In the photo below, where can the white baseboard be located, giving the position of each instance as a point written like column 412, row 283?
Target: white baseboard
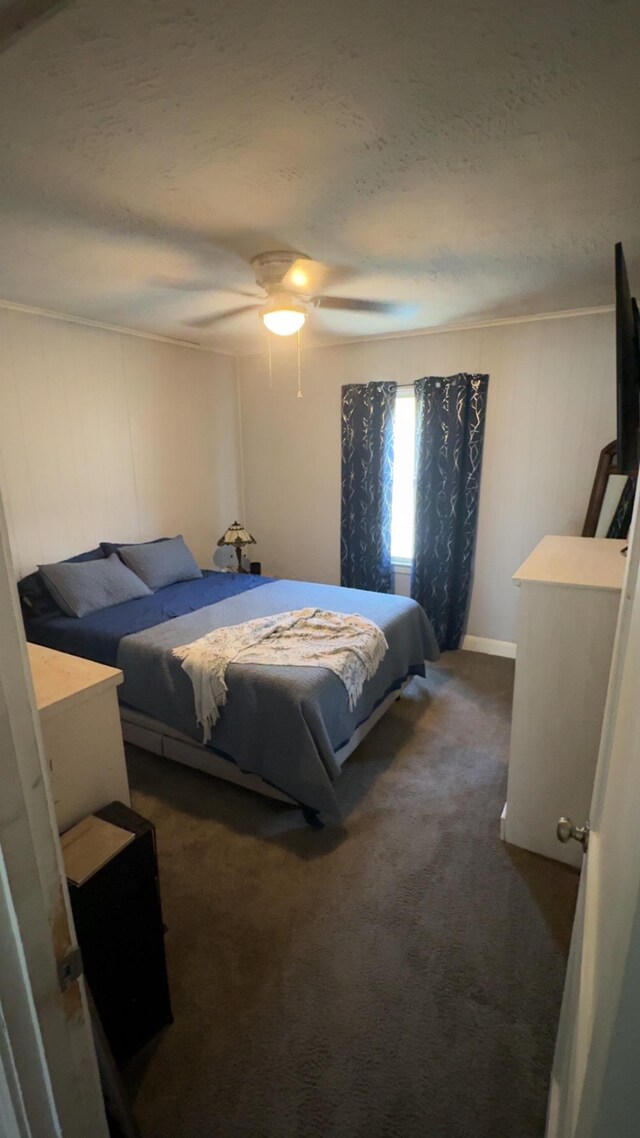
column 490, row 647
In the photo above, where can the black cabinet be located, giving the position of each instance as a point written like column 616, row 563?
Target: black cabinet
column 118, row 919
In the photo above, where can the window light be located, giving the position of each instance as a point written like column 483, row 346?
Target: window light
column 403, row 489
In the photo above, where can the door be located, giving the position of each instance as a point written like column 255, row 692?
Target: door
column 595, row 1090
column 48, row 1074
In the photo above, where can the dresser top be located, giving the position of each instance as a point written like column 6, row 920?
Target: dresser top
column 60, row 680
column 582, row 562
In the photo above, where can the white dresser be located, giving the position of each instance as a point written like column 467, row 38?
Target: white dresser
column 78, row 707
column 570, row 593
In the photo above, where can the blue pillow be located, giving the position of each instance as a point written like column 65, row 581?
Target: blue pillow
column 35, row 598
column 108, row 547
column 85, row 587
column 160, row 563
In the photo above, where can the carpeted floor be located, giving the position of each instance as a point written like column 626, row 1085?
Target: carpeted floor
column 397, row 977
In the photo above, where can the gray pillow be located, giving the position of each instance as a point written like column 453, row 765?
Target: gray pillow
column 160, row 563
column 83, row 587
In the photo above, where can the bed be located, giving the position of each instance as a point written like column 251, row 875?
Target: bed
column 284, row 731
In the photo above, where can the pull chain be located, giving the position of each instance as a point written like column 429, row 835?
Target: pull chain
column 299, row 370
column 270, row 363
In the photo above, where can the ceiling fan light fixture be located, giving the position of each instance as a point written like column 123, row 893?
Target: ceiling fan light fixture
column 284, row 319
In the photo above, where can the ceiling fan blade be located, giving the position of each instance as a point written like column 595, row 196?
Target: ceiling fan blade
column 347, row 304
column 308, row 277
column 20, row 16
column 243, row 292
column 200, row 286
column 209, row 321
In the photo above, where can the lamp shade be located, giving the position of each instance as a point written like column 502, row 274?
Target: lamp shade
column 236, row 535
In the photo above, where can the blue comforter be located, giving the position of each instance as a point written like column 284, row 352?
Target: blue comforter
column 283, row 723
column 97, row 636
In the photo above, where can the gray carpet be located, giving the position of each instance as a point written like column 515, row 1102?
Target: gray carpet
column 397, row 977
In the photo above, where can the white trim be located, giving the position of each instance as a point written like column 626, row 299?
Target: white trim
column 46, row 1048
column 489, row 647
column 439, row 329
column 49, row 314
column 13, row 1121
column 401, row 568
column 467, row 326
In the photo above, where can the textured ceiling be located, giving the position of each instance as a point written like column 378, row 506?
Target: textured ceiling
column 472, row 160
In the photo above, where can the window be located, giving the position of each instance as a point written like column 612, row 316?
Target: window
column 403, row 490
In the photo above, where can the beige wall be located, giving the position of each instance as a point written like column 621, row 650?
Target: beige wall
column 112, row 437
column 109, row 436
column 551, row 409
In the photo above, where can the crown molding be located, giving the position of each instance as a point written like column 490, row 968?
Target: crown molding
column 49, row 314
column 467, row 326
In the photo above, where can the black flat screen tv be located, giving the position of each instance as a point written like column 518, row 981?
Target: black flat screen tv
column 627, row 370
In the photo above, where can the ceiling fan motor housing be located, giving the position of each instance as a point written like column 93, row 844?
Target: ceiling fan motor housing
column 270, row 268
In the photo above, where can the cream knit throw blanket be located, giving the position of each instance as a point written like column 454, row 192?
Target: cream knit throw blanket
column 349, row 645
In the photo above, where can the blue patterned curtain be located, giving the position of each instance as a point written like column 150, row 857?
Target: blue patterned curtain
column 450, row 416
column 367, row 472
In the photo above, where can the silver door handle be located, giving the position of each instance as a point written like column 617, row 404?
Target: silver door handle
column 566, row 830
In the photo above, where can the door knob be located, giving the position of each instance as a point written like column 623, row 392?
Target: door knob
column 566, row 830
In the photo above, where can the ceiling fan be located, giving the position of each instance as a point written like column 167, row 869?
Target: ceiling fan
column 292, row 284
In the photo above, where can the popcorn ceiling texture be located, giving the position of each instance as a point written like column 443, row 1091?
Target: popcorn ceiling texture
column 474, row 160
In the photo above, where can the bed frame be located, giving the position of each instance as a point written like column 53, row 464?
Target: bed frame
column 152, row 735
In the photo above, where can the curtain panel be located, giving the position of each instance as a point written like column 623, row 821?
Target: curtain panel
column 367, row 475
column 450, row 417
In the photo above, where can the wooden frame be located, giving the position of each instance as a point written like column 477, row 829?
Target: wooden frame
column 606, row 467
column 49, row 1081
